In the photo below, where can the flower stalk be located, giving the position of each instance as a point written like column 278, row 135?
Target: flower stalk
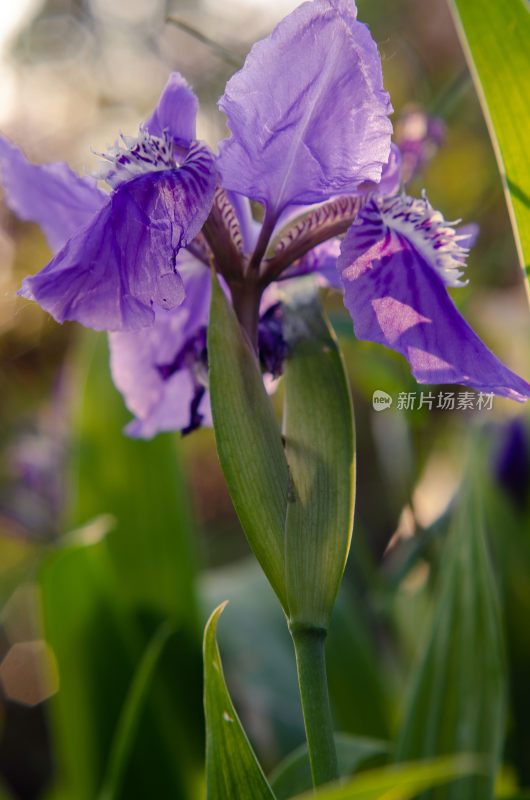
column 309, row 645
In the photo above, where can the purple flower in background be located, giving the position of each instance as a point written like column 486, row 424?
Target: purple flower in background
column 512, row 462
column 310, row 141
column 419, row 137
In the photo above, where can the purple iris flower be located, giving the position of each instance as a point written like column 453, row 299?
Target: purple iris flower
column 115, row 259
column 310, row 141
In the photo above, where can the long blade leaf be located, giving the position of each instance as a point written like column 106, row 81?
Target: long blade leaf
column 232, row 770
column 131, row 713
column 496, row 39
column 457, row 701
column 401, row 782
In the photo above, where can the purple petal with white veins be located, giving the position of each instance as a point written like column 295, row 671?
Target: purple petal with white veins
column 248, row 226
column 308, row 112
column 51, row 195
column 396, row 296
column 176, row 111
column 110, row 273
column 161, row 401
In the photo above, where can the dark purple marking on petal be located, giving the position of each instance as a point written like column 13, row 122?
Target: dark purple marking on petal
column 175, row 112
column 228, row 217
column 308, row 230
column 196, row 417
column 110, row 273
column 398, row 299
column 51, row 195
column 307, row 112
column 224, row 236
column 193, row 352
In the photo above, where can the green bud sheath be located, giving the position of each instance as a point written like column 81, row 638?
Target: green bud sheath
column 320, row 448
column 248, row 440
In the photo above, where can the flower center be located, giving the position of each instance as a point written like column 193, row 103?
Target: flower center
column 430, row 234
column 133, row 157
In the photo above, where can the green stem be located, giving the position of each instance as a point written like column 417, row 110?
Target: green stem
column 310, row 650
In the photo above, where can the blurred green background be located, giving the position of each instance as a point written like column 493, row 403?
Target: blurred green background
column 104, row 541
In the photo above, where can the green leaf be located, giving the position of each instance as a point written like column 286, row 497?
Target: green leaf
column 268, row 680
column 130, row 716
column 248, row 440
column 105, row 594
column 457, row 697
column 294, row 773
column 319, row 442
column 496, row 38
column 399, row 782
column 232, row 770
column 141, row 484
column 358, row 690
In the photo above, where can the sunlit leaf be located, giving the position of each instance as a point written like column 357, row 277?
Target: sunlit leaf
column 232, row 770
column 398, row 782
column 496, row 38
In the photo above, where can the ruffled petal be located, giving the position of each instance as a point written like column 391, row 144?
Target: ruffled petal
column 397, row 297
column 175, row 112
column 110, row 273
column 308, row 113
column 161, row 398
column 50, row 194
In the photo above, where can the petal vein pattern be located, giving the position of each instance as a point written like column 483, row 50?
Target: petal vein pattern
column 397, row 298
column 112, row 271
column 308, row 121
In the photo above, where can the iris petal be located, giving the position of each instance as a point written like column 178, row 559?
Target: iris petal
column 111, row 272
column 163, row 403
column 308, row 113
column 175, row 112
column 51, row 194
column 398, row 299
column 391, row 173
